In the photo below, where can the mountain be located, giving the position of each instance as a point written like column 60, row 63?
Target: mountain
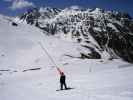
column 99, row 31
column 27, row 73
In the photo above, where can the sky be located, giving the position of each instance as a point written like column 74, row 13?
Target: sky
column 17, row 7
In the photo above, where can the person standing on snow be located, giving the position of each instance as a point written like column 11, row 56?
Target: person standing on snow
column 62, row 79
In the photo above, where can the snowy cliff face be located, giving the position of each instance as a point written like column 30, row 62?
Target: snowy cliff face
column 98, row 31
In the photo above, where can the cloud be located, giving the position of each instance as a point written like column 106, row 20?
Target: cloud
column 20, row 4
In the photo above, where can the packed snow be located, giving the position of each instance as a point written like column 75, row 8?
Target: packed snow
column 91, row 79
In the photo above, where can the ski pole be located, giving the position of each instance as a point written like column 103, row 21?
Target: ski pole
column 48, row 54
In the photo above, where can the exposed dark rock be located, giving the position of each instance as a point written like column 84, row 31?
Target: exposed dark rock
column 14, row 24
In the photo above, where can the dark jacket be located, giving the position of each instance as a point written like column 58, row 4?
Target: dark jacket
column 62, row 78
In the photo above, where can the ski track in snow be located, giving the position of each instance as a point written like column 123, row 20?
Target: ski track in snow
column 91, row 79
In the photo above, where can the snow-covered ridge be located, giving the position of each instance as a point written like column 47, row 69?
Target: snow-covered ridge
column 6, row 19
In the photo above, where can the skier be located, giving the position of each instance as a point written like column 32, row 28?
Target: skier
column 62, row 79
column 62, row 75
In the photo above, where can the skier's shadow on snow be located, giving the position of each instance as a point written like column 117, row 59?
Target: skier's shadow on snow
column 69, row 88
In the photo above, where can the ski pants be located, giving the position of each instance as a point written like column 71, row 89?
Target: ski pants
column 63, row 84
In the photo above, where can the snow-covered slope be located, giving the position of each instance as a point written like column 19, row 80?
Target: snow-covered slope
column 14, row 42
column 20, row 46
